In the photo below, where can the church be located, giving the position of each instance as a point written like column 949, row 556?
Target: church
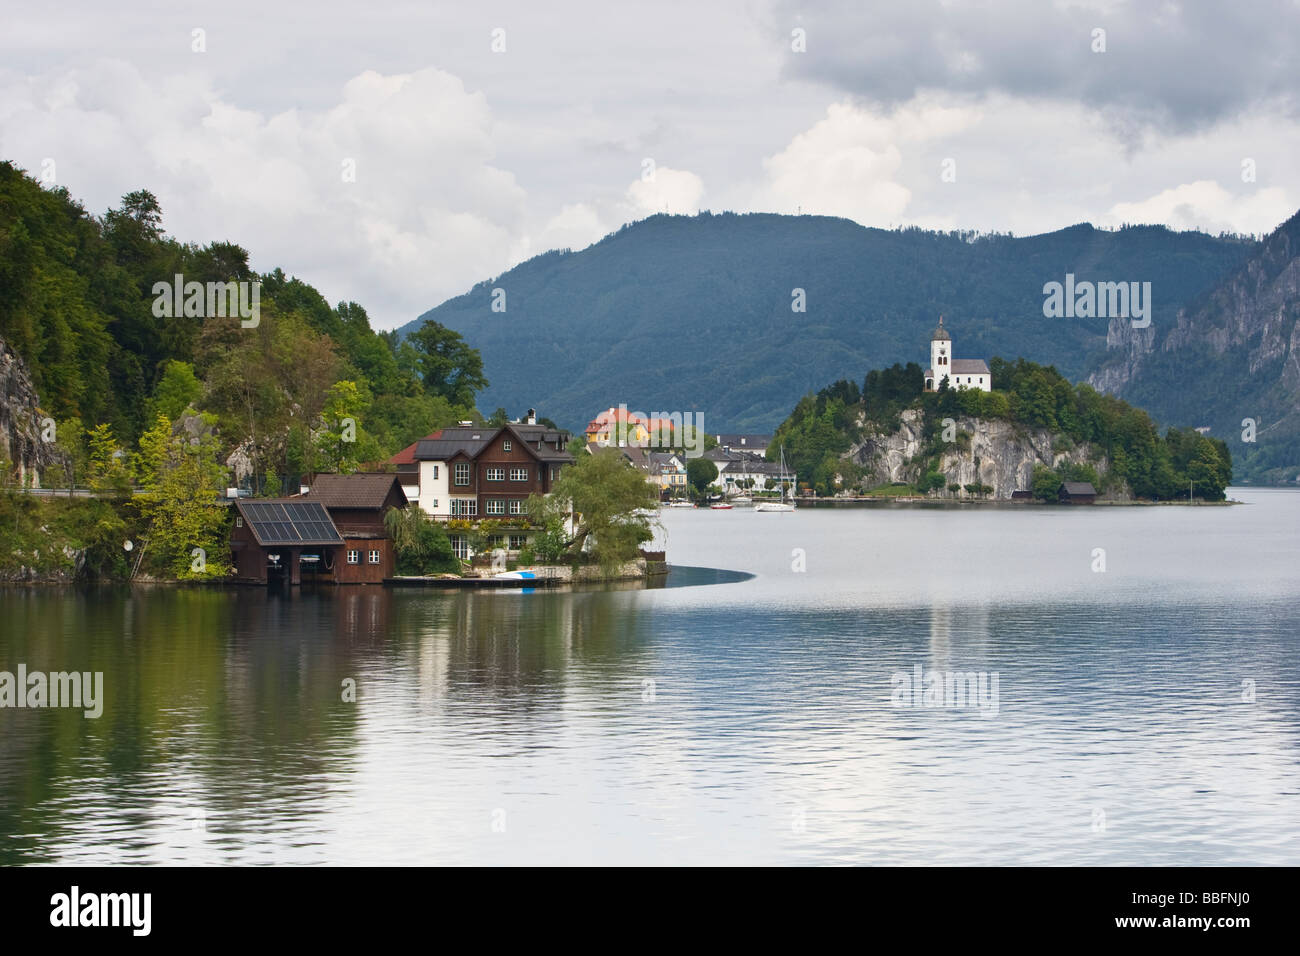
column 960, row 373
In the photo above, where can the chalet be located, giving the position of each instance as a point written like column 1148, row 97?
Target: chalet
column 334, row 533
column 470, row 472
column 1077, row 493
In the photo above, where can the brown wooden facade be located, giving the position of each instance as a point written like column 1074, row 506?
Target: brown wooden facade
column 356, row 505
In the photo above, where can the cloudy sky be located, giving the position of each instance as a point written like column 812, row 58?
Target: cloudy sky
column 397, row 153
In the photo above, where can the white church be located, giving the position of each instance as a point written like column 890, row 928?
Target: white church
column 960, row 373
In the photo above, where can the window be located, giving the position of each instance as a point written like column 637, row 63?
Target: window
column 464, row 507
column 555, row 472
column 516, row 506
column 507, row 445
column 462, row 473
column 517, row 541
column 518, row 474
column 354, row 557
column 435, row 473
column 374, row 557
column 460, row 546
column 494, row 474
column 495, row 506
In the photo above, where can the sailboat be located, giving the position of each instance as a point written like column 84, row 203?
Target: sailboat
column 781, row 505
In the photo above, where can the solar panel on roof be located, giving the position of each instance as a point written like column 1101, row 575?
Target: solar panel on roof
column 290, row 522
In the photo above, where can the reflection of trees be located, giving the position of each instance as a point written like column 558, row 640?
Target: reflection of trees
column 229, row 701
column 231, row 696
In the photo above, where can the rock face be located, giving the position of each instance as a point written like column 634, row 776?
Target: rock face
column 1254, row 307
column 996, row 453
column 21, row 443
column 1231, row 354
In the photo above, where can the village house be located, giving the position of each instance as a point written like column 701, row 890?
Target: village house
column 740, row 472
column 666, row 471
column 470, row 472
column 756, row 444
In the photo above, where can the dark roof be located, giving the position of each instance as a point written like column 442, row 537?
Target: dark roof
column 290, row 521
column 470, row 441
column 969, row 367
column 368, row 491
column 940, row 334
column 744, row 440
column 440, row 449
column 1078, row 488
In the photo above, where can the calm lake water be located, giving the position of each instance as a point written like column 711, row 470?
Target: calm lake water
column 1144, row 714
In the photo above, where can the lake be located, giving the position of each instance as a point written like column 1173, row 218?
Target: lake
column 1133, row 679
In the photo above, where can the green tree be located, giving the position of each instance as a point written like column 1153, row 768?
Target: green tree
column 420, row 543
column 605, row 494
column 700, row 473
column 187, row 528
column 446, row 364
column 177, row 390
column 1046, row 483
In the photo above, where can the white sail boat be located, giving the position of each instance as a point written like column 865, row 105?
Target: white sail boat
column 781, row 505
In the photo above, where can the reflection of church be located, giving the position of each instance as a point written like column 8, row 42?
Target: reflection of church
column 960, row 373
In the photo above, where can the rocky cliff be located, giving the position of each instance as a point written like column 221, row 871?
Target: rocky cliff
column 21, row 444
column 1232, row 354
column 997, row 453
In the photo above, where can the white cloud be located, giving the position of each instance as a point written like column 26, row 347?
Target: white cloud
column 1207, row 206
column 850, row 162
column 427, row 211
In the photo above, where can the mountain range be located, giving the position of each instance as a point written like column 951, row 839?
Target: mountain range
column 700, row 313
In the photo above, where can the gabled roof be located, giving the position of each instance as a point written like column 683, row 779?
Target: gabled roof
column 471, row 441
column 363, row 491
column 288, row 521
column 441, row 449
column 1079, row 488
column 969, row 367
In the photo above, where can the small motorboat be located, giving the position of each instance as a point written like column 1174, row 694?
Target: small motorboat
column 720, row 506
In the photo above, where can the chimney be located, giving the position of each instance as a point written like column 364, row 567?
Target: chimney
column 532, row 416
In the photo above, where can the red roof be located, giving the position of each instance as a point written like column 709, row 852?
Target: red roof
column 407, row 455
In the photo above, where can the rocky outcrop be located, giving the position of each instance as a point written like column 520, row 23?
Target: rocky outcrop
column 1255, row 307
column 991, row 452
column 21, row 441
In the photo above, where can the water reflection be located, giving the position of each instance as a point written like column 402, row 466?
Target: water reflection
column 687, row 723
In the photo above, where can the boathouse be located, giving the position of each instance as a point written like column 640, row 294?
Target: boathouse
column 274, row 539
column 333, row 533
column 357, row 505
column 1077, row 493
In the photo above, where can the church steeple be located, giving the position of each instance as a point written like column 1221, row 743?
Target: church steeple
column 940, row 356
